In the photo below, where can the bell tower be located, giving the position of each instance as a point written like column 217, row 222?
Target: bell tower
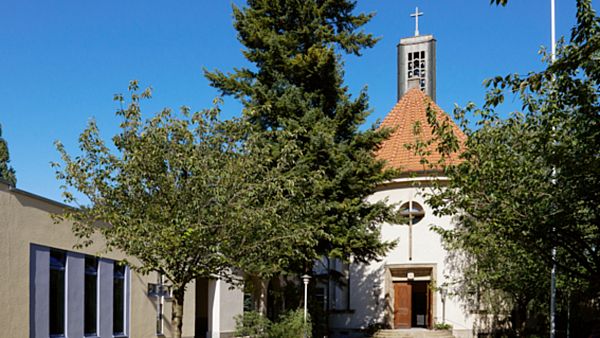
column 416, row 62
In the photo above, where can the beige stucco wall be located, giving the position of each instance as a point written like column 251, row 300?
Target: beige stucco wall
column 26, row 219
column 232, row 304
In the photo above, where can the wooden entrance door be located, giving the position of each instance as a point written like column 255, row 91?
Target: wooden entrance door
column 402, row 305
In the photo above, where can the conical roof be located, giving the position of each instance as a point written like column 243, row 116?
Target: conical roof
column 412, row 108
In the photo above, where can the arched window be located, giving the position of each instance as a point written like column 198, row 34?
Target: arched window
column 413, row 211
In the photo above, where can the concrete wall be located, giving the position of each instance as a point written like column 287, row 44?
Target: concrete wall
column 413, row 44
column 26, row 233
column 232, row 304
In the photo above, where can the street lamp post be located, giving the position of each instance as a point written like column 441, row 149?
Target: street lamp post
column 305, row 279
column 443, row 293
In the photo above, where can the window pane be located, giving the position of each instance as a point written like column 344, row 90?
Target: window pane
column 57, row 293
column 91, row 292
column 57, row 260
column 320, row 297
column 414, row 211
column 119, row 300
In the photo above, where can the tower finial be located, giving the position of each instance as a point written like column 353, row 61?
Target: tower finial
column 416, row 15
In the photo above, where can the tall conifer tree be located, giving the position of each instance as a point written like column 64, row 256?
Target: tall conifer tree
column 7, row 173
column 312, row 167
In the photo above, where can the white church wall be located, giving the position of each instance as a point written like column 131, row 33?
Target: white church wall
column 367, row 301
column 370, row 293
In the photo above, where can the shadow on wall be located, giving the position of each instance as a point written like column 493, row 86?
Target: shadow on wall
column 29, row 200
column 370, row 304
column 154, row 302
column 492, row 309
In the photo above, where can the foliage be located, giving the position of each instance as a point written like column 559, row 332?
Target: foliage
column 442, row 326
column 7, row 173
column 252, row 324
column 291, row 324
column 499, row 2
column 530, row 182
column 373, row 328
column 163, row 193
column 313, row 167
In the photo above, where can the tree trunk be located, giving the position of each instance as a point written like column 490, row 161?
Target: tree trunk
column 276, row 297
column 260, row 288
column 520, row 317
column 177, row 315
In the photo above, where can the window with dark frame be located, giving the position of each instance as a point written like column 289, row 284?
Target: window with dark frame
column 58, row 262
column 119, row 300
column 340, row 293
column 417, row 67
column 413, row 212
column 320, row 297
column 91, row 296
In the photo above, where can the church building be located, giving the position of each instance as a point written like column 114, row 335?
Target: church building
column 52, row 289
column 408, row 287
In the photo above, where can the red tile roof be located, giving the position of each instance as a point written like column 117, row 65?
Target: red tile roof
column 412, row 108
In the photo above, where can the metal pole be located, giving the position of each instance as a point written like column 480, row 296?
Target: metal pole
column 443, row 311
column 553, row 29
column 569, row 314
column 305, row 279
column 553, row 296
column 553, row 277
column 443, row 294
column 305, row 299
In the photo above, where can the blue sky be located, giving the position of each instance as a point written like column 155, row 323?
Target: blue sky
column 62, row 61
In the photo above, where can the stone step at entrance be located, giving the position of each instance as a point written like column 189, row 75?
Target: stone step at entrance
column 412, row 333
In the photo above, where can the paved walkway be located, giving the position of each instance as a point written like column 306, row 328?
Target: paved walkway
column 413, row 333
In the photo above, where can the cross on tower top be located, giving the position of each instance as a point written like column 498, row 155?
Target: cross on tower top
column 416, row 15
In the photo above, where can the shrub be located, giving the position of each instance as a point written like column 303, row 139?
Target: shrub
column 374, row 327
column 442, row 326
column 289, row 325
column 252, row 324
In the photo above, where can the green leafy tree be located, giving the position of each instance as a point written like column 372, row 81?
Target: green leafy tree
column 313, row 168
column 163, row 193
column 529, row 183
column 7, row 173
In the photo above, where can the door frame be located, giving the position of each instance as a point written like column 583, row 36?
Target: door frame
column 399, row 273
